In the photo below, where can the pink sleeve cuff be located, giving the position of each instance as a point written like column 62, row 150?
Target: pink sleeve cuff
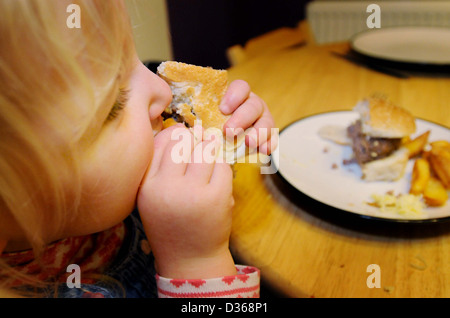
column 245, row 284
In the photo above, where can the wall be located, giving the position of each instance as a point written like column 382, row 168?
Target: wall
column 202, row 30
column 151, row 29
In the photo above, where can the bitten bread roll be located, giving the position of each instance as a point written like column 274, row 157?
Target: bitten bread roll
column 197, row 92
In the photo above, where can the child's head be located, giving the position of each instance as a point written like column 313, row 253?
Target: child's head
column 76, row 113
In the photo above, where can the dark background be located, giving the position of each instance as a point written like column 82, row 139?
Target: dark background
column 202, row 30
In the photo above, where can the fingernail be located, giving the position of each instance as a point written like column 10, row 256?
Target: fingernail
column 224, row 107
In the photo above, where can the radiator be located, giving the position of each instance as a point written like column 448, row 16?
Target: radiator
column 334, row 21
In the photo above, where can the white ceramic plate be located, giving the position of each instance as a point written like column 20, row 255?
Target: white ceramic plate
column 314, row 166
column 419, row 45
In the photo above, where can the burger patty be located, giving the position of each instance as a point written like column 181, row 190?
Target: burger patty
column 366, row 148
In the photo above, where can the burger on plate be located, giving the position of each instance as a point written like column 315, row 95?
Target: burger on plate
column 376, row 138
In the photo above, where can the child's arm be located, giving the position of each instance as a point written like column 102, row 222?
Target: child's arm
column 186, row 209
column 186, row 212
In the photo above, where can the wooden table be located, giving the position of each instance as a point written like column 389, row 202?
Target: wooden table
column 302, row 249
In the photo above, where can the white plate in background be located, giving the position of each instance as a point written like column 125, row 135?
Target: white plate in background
column 314, row 166
column 412, row 44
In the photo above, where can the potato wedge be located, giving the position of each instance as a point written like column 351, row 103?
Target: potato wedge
column 420, row 176
column 443, row 144
column 439, row 159
column 416, row 145
column 405, row 140
column 426, row 155
column 435, row 193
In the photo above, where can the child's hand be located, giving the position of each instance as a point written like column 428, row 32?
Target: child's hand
column 248, row 110
column 186, row 209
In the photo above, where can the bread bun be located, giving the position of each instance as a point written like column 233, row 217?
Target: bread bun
column 390, row 168
column 197, row 92
column 382, row 119
column 335, row 133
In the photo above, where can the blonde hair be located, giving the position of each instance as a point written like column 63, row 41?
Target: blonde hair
column 54, row 81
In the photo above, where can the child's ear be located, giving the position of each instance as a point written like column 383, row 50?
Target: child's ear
column 2, row 245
